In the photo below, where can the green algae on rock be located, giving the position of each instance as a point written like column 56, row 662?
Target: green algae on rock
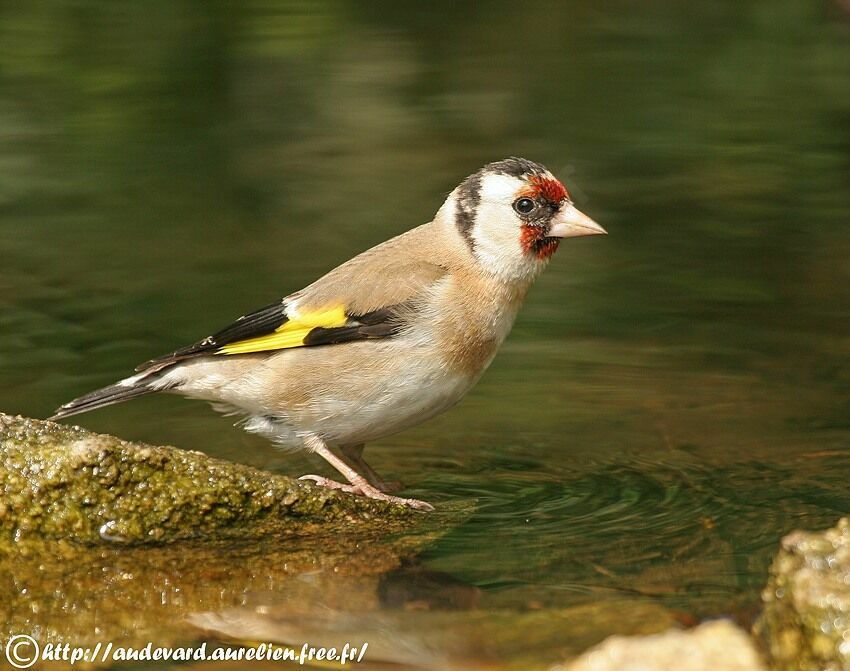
column 64, row 482
column 806, row 618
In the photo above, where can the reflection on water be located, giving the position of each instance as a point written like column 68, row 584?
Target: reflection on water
column 674, row 397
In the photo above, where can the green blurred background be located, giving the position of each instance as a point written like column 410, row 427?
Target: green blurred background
column 674, row 397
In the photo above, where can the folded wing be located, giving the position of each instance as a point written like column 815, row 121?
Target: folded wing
column 370, row 297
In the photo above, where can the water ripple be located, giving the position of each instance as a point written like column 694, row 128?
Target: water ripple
column 642, row 526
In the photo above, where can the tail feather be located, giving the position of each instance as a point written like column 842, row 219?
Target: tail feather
column 115, row 393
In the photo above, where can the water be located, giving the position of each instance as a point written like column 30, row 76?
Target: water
column 674, row 397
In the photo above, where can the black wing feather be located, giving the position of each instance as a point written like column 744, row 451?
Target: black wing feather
column 382, row 323
column 258, row 323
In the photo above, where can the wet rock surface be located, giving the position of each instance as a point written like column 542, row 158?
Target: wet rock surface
column 713, row 646
column 104, row 539
column 64, row 482
column 134, row 594
column 806, row 618
column 422, row 636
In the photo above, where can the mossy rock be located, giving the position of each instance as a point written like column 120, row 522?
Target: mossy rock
column 107, row 540
column 64, row 482
column 806, row 618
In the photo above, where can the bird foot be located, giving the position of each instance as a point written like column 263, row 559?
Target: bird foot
column 367, row 490
column 329, row 484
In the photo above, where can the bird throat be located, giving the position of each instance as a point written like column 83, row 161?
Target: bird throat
column 534, row 240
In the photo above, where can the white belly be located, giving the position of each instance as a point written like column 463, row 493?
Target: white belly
column 356, row 392
column 391, row 407
column 347, row 395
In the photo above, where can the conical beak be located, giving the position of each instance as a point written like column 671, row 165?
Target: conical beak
column 570, row 223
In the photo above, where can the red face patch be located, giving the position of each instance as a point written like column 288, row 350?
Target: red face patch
column 551, row 189
column 533, row 240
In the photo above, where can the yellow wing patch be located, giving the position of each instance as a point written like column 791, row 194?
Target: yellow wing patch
column 289, row 334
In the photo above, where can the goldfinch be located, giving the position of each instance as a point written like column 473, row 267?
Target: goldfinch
column 393, row 337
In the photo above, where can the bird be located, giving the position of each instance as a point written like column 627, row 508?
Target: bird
column 394, row 336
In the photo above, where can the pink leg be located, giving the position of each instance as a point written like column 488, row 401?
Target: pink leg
column 354, row 456
column 359, row 484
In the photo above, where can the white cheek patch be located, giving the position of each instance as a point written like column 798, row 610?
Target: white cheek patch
column 498, row 229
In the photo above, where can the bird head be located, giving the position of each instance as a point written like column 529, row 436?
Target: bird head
column 513, row 214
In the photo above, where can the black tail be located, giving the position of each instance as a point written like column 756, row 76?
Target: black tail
column 116, row 393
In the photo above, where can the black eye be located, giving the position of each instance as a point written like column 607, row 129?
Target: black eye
column 525, row 205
